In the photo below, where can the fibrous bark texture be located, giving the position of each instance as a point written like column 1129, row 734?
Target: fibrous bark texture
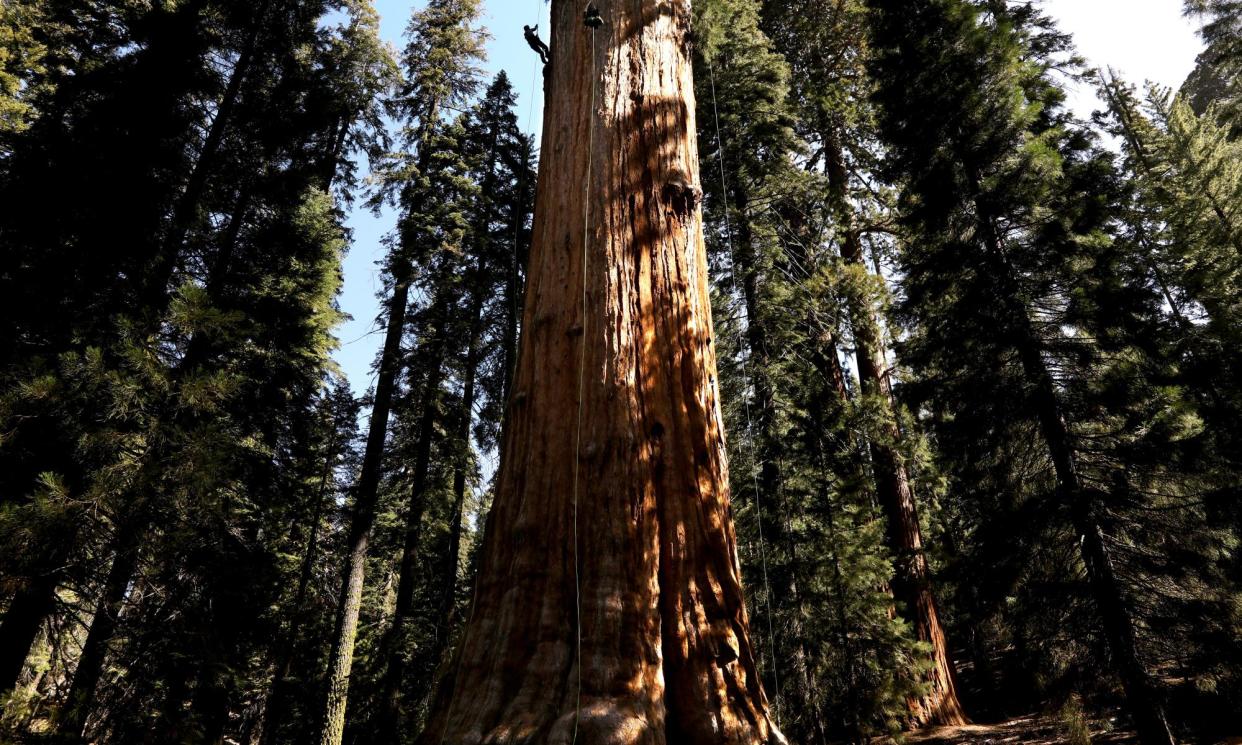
column 609, row 605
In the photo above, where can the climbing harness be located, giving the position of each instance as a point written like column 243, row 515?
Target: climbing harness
column 746, row 378
column 531, row 34
column 592, row 18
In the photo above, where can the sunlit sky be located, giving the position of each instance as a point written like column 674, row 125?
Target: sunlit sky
column 1144, row 40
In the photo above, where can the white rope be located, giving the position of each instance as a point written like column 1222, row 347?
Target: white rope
column 750, row 427
column 586, row 234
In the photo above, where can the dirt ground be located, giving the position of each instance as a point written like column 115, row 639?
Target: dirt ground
column 1034, row 729
column 1029, row 730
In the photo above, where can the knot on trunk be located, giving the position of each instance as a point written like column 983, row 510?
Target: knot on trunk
column 681, row 195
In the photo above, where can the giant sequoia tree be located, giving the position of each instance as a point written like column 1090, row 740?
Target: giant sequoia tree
column 906, row 273
column 608, row 603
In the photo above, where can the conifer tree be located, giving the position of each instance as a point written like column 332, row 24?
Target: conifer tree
column 1006, row 204
column 832, row 90
column 256, row 268
column 439, row 65
column 22, row 64
column 920, row 278
column 747, row 158
column 1216, row 78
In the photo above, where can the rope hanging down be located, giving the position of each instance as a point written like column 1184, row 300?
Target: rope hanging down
column 452, row 703
column 592, row 20
column 746, row 378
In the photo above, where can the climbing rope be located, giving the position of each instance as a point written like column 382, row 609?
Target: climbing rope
column 530, row 144
column 746, row 378
column 592, row 20
column 517, row 231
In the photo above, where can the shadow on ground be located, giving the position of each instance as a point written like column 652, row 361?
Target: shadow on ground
column 1034, row 729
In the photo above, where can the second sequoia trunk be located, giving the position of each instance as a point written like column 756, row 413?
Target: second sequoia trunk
column 609, row 602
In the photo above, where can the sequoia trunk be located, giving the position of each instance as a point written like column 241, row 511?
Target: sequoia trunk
column 609, row 604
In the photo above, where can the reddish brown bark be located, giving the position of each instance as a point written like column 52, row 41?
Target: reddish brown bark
column 645, row 563
column 912, row 586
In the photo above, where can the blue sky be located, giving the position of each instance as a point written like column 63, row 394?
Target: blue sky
column 506, row 50
column 1143, row 39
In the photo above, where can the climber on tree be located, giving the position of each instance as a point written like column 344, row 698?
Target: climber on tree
column 532, row 38
column 592, row 18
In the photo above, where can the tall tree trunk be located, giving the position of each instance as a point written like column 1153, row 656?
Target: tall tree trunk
column 608, row 605
column 275, row 708
column 23, row 619
column 759, row 346
column 1143, row 702
column 912, row 586
column 389, row 717
column 134, row 517
column 103, row 627
column 826, row 405
column 768, row 484
column 187, row 204
column 514, row 289
column 452, row 561
column 170, row 49
column 365, row 497
column 366, row 494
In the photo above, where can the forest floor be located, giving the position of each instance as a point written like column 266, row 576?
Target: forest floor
column 1033, row 729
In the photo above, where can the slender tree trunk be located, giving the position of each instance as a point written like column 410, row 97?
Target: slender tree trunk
column 187, row 204
column 609, row 603
column 446, row 590
column 365, row 498
column 33, row 603
column 103, row 627
column 366, row 494
column 843, row 628
column 23, row 619
column 514, row 290
column 390, row 713
column 759, row 346
column 1143, row 702
column 134, row 517
column 333, row 160
column 912, row 586
column 448, row 581
column 768, row 450
column 826, row 406
column 445, row 300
